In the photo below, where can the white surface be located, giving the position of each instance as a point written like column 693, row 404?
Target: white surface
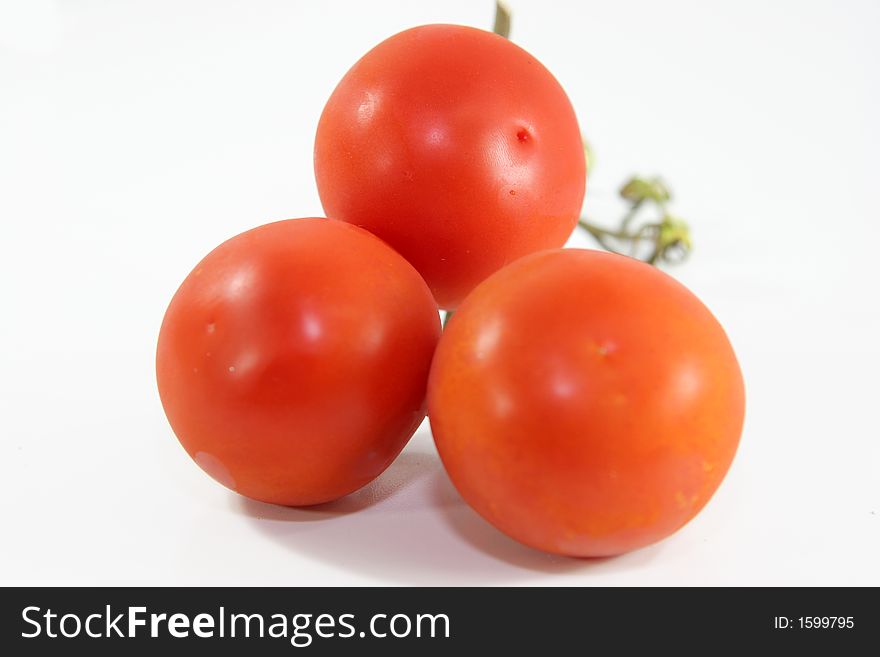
column 136, row 136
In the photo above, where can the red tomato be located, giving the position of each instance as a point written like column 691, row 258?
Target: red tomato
column 585, row 403
column 292, row 362
column 456, row 147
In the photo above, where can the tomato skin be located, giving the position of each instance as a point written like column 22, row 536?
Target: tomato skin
column 457, row 148
column 585, row 403
column 292, row 362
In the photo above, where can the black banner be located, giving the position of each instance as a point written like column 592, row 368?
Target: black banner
column 227, row 621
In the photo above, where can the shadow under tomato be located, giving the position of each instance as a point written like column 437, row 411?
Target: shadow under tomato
column 476, row 531
column 409, row 526
column 405, row 470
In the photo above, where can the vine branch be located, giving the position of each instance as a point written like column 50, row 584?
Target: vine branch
column 668, row 239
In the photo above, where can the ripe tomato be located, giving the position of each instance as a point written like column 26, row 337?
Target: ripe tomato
column 456, row 147
column 585, row 403
column 292, row 362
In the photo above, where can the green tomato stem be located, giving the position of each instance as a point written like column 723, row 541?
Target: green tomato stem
column 502, row 19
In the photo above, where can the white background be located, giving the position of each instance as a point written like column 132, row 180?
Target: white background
column 135, row 136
